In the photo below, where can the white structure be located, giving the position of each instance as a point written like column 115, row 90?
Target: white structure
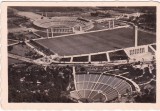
column 46, row 14
column 109, row 22
column 52, row 31
column 104, row 19
column 47, row 33
column 136, row 35
column 73, row 29
column 141, row 53
column 113, row 23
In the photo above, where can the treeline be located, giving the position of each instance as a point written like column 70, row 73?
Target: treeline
column 52, row 9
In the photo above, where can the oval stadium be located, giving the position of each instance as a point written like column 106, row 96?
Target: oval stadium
column 64, row 24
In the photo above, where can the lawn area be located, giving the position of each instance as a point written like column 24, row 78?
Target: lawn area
column 96, row 41
column 12, row 61
column 31, row 36
column 23, row 50
column 20, row 50
column 11, row 41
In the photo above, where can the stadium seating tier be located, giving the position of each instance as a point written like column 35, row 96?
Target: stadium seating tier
column 99, row 88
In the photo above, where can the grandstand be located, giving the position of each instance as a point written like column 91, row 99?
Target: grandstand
column 63, row 25
column 131, row 54
column 101, row 88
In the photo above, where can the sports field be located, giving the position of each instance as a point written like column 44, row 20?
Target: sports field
column 96, row 41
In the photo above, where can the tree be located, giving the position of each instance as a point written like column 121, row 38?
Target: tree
column 10, row 48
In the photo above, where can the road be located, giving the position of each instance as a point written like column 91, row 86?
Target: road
column 22, row 58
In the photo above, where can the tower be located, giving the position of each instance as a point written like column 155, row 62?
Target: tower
column 73, row 29
column 113, row 23
column 52, row 31
column 46, row 14
column 80, row 28
column 47, row 33
column 109, row 24
column 136, row 35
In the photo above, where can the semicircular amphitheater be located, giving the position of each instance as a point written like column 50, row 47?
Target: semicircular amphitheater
column 101, row 88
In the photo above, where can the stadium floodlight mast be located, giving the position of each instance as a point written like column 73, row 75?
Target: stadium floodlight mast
column 73, row 29
column 47, row 33
column 136, row 35
column 46, row 14
column 52, row 31
column 135, row 28
column 109, row 24
column 80, row 28
column 113, row 23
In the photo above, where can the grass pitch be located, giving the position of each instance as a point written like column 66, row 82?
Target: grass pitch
column 96, row 41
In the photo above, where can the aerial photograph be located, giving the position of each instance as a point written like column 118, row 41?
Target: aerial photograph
column 97, row 54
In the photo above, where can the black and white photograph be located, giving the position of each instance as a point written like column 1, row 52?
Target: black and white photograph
column 81, row 54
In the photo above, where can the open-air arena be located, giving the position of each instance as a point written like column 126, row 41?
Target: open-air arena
column 64, row 24
column 82, row 55
column 98, row 41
